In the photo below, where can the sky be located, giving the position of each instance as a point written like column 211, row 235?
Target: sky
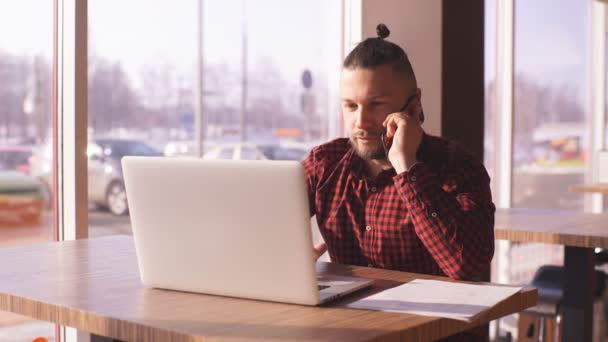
column 298, row 34
column 550, row 40
column 550, row 35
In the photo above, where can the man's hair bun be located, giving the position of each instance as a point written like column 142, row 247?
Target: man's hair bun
column 382, row 31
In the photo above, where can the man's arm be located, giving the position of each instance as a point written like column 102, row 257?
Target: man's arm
column 310, row 168
column 311, row 181
column 453, row 219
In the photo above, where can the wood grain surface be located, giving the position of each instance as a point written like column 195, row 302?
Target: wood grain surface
column 560, row 227
column 93, row 285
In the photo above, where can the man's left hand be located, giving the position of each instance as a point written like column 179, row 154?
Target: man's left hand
column 318, row 250
column 404, row 127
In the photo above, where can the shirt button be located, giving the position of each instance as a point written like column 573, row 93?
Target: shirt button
column 373, row 189
column 413, row 178
column 368, row 228
column 434, row 214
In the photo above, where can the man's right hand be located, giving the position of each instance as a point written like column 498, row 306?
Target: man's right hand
column 319, row 249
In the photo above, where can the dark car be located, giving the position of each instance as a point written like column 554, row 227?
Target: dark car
column 16, row 158
column 106, row 184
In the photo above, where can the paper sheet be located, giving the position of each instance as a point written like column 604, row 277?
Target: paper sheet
column 438, row 298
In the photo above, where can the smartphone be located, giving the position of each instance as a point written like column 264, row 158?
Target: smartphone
column 386, row 142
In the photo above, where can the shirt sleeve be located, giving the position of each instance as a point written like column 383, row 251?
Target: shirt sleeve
column 453, row 217
column 311, row 180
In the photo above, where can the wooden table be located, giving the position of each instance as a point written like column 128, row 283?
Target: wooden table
column 93, row 285
column 580, row 233
column 589, row 188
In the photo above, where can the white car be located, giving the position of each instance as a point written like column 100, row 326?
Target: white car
column 250, row 151
column 183, row 148
column 236, row 151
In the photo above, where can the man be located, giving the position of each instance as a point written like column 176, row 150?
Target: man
column 425, row 206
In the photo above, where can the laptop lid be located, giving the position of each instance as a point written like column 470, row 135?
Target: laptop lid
column 231, row 228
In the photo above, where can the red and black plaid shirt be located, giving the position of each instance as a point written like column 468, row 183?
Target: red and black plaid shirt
column 437, row 218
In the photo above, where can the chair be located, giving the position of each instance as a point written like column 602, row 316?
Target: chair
column 548, row 280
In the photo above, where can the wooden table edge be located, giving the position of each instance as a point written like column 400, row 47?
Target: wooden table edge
column 544, row 237
column 129, row 330
column 132, row 329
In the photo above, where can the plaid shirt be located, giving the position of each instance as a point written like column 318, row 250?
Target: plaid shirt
column 437, row 218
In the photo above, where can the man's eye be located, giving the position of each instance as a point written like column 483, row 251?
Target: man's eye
column 376, row 103
column 350, row 106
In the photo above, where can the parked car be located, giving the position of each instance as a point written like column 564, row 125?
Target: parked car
column 16, row 158
column 185, row 148
column 250, row 151
column 235, row 151
column 21, row 198
column 106, row 184
column 279, row 152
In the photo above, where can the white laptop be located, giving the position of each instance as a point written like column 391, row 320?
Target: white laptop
column 229, row 228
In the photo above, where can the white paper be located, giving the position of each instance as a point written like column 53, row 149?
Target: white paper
column 438, row 298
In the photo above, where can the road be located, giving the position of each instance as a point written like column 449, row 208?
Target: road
column 102, row 223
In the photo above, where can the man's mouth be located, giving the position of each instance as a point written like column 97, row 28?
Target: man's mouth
column 368, row 138
column 368, row 135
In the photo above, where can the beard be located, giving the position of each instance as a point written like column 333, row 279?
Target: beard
column 368, row 152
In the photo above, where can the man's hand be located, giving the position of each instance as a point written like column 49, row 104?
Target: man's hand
column 407, row 133
column 318, row 250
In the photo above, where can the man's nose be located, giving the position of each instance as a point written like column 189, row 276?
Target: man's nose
column 363, row 119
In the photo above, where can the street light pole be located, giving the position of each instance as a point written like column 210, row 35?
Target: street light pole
column 198, row 114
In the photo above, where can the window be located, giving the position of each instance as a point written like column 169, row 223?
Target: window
column 550, row 88
column 142, row 84
column 25, row 139
column 549, row 118
column 550, row 127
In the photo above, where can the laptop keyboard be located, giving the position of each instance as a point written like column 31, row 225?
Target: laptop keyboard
column 322, row 287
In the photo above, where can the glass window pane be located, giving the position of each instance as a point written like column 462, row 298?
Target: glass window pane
column 550, row 123
column 26, row 50
column 549, row 128
column 142, row 84
column 549, row 103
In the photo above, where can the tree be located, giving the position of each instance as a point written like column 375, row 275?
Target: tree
column 267, row 101
column 165, row 95
column 12, row 81
column 535, row 104
column 112, row 101
column 39, row 92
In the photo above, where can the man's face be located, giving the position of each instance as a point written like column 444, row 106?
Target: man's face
column 368, row 96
